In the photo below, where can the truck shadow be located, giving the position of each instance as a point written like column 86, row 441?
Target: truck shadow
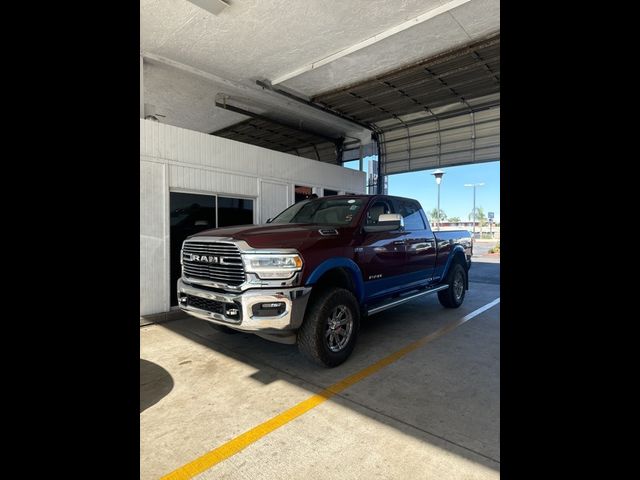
column 155, row 383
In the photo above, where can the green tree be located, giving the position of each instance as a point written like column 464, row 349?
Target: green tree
column 437, row 216
column 480, row 218
column 454, row 219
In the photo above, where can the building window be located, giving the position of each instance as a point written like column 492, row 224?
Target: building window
column 328, row 192
column 234, row 211
column 189, row 214
column 303, row 193
column 192, row 213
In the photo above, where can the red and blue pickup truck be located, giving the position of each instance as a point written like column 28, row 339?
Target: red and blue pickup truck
column 314, row 272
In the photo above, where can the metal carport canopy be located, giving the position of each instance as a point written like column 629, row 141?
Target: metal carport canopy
column 442, row 111
column 272, row 74
column 277, row 136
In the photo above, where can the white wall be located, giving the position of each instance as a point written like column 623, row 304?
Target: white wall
column 175, row 159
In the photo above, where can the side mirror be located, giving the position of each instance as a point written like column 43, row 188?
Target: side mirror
column 387, row 222
column 269, row 220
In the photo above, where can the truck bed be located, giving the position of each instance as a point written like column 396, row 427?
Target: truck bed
column 451, row 237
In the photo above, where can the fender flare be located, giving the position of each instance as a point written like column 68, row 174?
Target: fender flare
column 452, row 255
column 340, row 262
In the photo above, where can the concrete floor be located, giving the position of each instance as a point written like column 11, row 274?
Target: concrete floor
column 434, row 413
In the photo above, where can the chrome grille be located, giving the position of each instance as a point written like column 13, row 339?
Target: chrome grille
column 229, row 270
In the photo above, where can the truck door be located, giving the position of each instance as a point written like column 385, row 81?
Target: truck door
column 420, row 242
column 382, row 253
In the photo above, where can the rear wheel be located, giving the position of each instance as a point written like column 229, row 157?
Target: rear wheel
column 330, row 328
column 453, row 296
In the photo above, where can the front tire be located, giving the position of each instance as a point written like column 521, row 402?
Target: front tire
column 330, row 328
column 453, row 296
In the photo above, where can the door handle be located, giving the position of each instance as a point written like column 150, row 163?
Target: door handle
column 399, row 242
column 420, row 247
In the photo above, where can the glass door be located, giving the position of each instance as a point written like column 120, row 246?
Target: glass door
column 189, row 214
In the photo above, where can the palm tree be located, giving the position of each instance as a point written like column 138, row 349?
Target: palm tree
column 454, row 219
column 437, row 216
column 480, row 217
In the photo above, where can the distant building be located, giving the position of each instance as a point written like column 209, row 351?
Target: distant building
column 494, row 230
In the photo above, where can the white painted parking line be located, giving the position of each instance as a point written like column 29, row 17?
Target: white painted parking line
column 480, row 310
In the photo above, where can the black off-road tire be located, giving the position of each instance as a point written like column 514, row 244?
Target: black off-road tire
column 453, row 296
column 312, row 339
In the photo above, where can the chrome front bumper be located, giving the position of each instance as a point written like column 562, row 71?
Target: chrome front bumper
column 295, row 300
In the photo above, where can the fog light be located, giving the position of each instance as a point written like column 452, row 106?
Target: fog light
column 272, row 309
column 232, row 310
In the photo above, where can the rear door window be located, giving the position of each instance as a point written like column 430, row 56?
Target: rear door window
column 410, row 211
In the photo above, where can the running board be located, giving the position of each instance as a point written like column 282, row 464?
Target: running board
column 395, row 303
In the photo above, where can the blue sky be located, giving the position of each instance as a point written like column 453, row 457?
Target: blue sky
column 455, row 199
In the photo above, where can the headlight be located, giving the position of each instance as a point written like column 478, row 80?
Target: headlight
column 272, row 266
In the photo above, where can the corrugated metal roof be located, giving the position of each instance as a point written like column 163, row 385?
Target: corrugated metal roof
column 264, row 133
column 441, row 111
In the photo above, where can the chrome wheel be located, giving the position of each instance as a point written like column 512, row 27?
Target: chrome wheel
column 458, row 285
column 339, row 328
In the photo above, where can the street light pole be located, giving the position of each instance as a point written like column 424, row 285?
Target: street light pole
column 438, row 175
column 474, row 211
column 439, row 219
column 474, row 185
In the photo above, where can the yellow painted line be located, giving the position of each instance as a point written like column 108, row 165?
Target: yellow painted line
column 242, row 441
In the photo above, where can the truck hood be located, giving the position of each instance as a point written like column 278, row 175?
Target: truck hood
column 283, row 235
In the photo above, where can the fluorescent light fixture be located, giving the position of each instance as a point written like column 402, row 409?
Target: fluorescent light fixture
column 211, row 6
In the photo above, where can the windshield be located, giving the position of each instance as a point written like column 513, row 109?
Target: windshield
column 324, row 211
